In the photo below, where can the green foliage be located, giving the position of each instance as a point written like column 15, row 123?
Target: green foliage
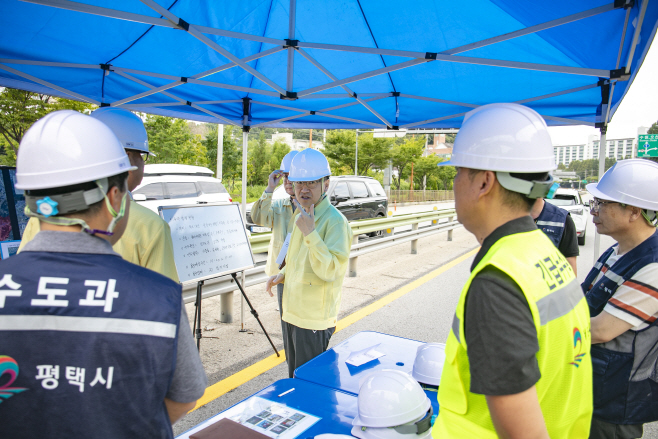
column 404, row 154
column 173, row 142
column 340, row 149
column 653, row 129
column 20, row 109
column 586, row 168
column 253, row 192
column 231, row 154
column 258, row 167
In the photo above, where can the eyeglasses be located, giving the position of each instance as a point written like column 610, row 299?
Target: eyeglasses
column 595, row 204
column 145, row 155
column 309, row 184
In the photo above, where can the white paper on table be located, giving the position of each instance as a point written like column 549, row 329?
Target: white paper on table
column 284, row 251
column 364, row 356
column 270, row 418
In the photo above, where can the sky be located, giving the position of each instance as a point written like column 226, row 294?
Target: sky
column 638, row 108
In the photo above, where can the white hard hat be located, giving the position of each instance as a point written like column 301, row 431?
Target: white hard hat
column 127, row 126
column 503, row 137
column 285, row 163
column 66, row 148
column 633, row 182
column 390, row 398
column 310, row 164
column 428, row 364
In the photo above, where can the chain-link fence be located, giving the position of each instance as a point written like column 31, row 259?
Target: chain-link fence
column 419, row 196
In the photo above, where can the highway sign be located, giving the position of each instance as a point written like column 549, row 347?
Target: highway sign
column 647, row 145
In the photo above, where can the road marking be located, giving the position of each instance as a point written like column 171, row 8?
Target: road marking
column 237, row 379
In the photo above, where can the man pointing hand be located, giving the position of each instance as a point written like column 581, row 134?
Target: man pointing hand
column 316, row 262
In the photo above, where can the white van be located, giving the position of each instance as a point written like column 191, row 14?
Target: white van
column 171, row 185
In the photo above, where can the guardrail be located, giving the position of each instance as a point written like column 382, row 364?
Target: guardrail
column 440, row 221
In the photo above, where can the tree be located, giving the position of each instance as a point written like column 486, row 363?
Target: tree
column 653, row 129
column 173, row 142
column 426, row 169
column 19, row 109
column 279, row 151
column 447, row 176
column 231, row 154
column 340, row 149
column 259, row 155
column 404, row 154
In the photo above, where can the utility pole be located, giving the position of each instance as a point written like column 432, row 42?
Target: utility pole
column 411, row 185
column 220, row 149
column 310, row 138
column 356, row 155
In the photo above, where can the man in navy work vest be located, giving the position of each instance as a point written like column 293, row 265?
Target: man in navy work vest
column 622, row 293
column 94, row 346
column 557, row 224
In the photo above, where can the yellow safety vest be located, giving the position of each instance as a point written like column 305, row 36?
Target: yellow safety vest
column 561, row 317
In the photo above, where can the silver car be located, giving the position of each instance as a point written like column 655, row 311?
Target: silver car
column 570, row 200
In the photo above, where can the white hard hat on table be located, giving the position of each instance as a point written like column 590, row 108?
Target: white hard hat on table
column 66, row 148
column 285, row 163
column 506, row 138
column 127, row 126
column 391, row 404
column 309, row 165
column 428, row 364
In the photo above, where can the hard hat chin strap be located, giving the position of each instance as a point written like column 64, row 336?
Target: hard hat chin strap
column 531, row 189
column 63, row 221
column 651, row 216
column 418, row 427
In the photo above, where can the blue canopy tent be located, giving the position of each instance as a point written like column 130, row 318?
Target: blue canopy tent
column 330, row 64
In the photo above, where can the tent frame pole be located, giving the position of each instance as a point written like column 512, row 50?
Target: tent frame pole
column 48, row 84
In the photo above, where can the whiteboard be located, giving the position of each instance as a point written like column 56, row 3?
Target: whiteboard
column 210, row 240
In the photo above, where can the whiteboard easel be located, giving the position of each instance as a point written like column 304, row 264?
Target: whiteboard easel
column 210, row 240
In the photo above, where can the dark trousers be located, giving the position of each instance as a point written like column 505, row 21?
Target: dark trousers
column 605, row 430
column 304, row 344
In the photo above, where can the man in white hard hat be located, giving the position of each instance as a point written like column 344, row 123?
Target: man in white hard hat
column 622, row 293
column 315, row 263
column 558, row 225
column 147, row 239
column 277, row 215
column 99, row 347
column 517, row 356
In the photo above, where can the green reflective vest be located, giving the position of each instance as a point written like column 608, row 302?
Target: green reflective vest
column 561, row 316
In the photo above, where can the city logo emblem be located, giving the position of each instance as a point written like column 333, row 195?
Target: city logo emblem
column 578, row 347
column 9, row 367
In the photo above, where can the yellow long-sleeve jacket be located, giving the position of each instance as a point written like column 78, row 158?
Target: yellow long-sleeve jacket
column 146, row 241
column 277, row 215
column 315, row 268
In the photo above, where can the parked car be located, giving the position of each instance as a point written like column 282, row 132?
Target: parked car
column 170, row 185
column 570, row 200
column 355, row 197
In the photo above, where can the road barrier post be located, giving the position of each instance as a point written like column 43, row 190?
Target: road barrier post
column 352, row 266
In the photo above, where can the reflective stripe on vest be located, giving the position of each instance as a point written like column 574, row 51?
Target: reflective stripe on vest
column 562, row 322
column 627, row 366
column 551, row 221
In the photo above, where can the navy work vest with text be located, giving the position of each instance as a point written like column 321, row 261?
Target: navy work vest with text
column 88, row 343
column 625, row 368
column 551, row 221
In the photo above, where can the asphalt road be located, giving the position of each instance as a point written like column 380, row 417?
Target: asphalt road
column 423, row 314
